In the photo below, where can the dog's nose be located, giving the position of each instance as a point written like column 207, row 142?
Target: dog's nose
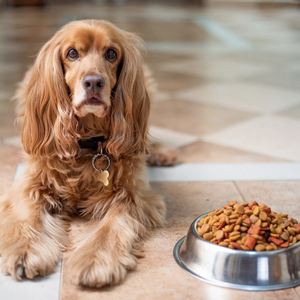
column 93, row 83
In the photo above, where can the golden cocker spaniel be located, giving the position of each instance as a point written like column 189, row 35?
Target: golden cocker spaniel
column 85, row 106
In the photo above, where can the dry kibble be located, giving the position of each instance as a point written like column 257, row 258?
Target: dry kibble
column 253, row 219
column 263, row 216
column 208, row 236
column 232, row 203
column 285, row 236
column 219, row 234
column 205, row 228
column 260, row 247
column 256, row 211
column 249, row 226
column 240, row 209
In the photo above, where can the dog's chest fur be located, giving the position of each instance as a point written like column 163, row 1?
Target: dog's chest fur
column 72, row 187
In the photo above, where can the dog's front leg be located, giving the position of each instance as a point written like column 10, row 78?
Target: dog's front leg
column 31, row 239
column 108, row 248
column 103, row 252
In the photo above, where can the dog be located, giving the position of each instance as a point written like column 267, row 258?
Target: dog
column 85, row 107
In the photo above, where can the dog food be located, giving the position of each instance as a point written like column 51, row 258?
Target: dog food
column 247, row 226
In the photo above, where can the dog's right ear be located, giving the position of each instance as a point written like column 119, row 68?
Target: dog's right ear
column 49, row 123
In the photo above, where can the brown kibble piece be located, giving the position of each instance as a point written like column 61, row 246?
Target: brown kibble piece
column 285, row 236
column 219, row 234
column 256, row 211
column 260, row 247
column 263, row 216
column 205, row 228
column 208, row 236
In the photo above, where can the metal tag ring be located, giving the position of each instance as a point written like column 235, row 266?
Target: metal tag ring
column 97, row 156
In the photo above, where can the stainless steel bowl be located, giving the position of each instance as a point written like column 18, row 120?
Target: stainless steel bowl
column 245, row 270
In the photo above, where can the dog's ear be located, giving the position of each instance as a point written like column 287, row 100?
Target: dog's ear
column 49, row 123
column 130, row 103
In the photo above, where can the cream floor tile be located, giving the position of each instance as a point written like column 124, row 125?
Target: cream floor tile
column 272, row 60
column 42, row 289
column 291, row 49
column 194, row 118
column 218, row 69
column 202, row 152
column 225, row 172
column 293, row 112
column 249, row 97
column 280, row 78
column 270, row 135
column 170, row 137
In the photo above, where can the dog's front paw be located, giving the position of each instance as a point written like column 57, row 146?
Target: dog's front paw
column 100, row 268
column 163, row 156
column 27, row 264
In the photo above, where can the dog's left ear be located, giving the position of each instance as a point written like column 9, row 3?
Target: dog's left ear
column 131, row 103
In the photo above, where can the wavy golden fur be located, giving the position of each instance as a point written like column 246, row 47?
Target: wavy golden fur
column 59, row 109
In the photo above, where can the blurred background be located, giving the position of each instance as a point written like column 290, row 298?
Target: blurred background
column 227, row 71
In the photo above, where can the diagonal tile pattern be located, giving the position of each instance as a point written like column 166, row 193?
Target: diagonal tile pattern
column 228, row 92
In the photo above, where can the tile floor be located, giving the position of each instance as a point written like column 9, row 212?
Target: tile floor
column 228, row 94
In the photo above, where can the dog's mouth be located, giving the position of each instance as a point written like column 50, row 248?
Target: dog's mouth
column 92, row 101
column 93, row 104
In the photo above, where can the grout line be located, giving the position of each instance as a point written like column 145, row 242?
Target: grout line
column 296, row 292
column 238, row 190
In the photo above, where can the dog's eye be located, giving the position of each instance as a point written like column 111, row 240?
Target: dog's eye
column 72, row 54
column 111, row 55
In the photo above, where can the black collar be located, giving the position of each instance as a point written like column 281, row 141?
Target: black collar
column 91, row 143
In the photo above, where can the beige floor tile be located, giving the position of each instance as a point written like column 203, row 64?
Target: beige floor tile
column 7, row 119
column 270, row 135
column 10, row 157
column 249, row 97
column 202, row 152
column 281, row 196
column 193, row 118
column 172, row 82
column 168, row 31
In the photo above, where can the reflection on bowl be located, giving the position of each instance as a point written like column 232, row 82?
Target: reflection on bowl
column 246, row 270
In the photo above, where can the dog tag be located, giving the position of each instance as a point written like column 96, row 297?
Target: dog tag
column 103, row 177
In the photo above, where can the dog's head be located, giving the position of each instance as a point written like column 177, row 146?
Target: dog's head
column 88, row 68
